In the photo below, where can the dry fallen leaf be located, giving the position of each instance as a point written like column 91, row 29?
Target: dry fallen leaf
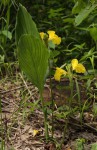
column 27, row 148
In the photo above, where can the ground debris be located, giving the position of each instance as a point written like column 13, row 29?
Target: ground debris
column 19, row 121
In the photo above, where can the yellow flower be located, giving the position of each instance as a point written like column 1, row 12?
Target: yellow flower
column 78, row 67
column 54, row 38
column 42, row 34
column 74, row 63
column 51, row 34
column 58, row 73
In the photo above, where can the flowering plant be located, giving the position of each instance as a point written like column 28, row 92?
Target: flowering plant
column 34, row 57
column 75, row 66
column 51, row 37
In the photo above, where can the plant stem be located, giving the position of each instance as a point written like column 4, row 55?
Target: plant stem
column 44, row 109
column 52, row 101
column 71, row 94
column 64, row 132
column 78, row 91
column 52, row 104
column 79, row 100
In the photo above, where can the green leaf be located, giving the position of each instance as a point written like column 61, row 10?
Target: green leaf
column 33, row 58
column 51, row 45
column 94, row 109
column 1, row 59
column 55, row 12
column 25, row 24
column 80, row 144
column 79, row 5
column 88, row 54
column 93, row 33
column 84, row 14
column 6, row 33
column 94, row 146
column 54, row 53
column 5, row 2
column 69, row 20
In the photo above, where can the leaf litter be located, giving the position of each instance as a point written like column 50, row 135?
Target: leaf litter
column 20, row 122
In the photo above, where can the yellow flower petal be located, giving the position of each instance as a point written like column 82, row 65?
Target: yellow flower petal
column 54, row 38
column 74, row 63
column 35, row 132
column 42, row 34
column 80, row 68
column 51, row 34
column 58, row 73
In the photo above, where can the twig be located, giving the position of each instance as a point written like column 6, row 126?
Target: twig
column 26, row 86
column 3, row 92
column 85, row 125
column 76, row 123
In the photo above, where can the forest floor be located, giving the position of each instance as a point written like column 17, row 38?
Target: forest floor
column 21, row 116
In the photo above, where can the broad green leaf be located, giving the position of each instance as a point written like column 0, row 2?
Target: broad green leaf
column 25, row 24
column 93, row 33
column 84, row 14
column 33, row 59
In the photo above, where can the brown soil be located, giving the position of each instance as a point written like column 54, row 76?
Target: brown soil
column 19, row 117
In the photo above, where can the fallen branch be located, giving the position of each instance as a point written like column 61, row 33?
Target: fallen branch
column 3, row 92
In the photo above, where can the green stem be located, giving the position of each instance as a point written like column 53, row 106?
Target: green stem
column 96, row 45
column 71, row 94
column 64, row 133
column 52, row 104
column 79, row 100
column 44, row 109
column 52, row 101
